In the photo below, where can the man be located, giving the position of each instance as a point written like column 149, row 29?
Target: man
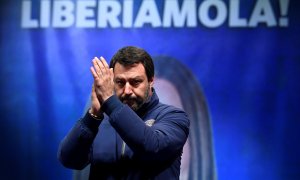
column 127, row 133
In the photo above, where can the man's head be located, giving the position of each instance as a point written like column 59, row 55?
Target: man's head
column 133, row 76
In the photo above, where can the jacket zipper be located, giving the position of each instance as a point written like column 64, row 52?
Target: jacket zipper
column 123, row 149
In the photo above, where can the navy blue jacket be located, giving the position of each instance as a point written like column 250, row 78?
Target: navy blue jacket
column 146, row 144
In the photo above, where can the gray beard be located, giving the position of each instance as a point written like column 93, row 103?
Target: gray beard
column 146, row 97
column 138, row 102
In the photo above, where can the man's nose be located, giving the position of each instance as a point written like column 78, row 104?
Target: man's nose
column 127, row 89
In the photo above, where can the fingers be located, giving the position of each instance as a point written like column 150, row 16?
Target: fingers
column 95, row 68
column 94, row 73
column 111, row 70
column 104, row 63
column 103, row 66
column 100, row 66
column 103, row 79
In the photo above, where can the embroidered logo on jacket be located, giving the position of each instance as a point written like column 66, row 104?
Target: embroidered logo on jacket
column 150, row 122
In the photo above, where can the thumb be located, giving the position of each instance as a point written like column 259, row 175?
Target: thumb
column 111, row 70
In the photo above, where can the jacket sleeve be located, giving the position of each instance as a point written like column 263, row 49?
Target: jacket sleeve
column 160, row 142
column 76, row 148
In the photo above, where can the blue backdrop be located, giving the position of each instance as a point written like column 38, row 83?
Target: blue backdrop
column 245, row 54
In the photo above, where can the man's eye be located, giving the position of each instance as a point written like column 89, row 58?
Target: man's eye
column 136, row 82
column 120, row 83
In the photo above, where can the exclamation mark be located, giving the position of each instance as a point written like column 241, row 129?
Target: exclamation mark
column 283, row 20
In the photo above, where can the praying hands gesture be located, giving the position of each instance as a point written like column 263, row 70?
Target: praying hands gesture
column 103, row 86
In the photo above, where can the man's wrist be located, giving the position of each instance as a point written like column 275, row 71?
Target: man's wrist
column 98, row 116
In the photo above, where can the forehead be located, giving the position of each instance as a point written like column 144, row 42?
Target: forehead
column 130, row 71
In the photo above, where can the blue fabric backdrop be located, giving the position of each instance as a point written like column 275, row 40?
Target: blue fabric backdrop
column 249, row 74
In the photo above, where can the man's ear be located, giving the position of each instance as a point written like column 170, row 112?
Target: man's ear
column 151, row 82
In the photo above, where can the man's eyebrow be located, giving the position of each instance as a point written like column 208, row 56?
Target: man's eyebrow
column 137, row 77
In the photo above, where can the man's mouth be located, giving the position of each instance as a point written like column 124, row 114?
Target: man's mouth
column 129, row 102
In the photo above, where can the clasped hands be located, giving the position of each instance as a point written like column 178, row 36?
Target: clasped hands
column 103, row 86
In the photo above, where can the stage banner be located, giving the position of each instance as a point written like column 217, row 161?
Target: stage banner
column 232, row 65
